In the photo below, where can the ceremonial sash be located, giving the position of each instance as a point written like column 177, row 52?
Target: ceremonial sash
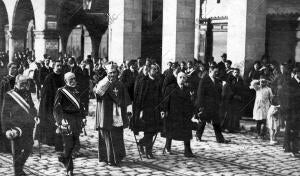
column 71, row 97
column 20, row 100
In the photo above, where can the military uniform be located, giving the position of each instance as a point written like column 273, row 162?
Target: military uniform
column 7, row 83
column 18, row 113
column 67, row 107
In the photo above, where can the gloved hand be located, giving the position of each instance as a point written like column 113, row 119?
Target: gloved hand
column 12, row 134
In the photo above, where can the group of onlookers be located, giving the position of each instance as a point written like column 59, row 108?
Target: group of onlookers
column 184, row 97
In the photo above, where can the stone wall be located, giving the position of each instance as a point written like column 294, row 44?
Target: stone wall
column 283, row 6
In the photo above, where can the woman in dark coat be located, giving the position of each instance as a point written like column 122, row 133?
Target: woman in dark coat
column 178, row 112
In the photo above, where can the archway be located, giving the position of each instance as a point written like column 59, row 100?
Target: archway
column 79, row 42
column 23, row 19
column 3, row 24
column 71, row 14
column 30, row 36
column 103, row 48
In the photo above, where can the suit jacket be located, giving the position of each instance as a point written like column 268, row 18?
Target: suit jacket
column 209, row 97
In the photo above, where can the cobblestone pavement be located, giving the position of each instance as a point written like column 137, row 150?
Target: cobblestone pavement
column 245, row 155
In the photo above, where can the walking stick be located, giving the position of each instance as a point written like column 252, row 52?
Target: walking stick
column 154, row 139
column 130, row 117
column 12, row 142
column 137, row 146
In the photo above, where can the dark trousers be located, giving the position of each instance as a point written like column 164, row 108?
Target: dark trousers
column 23, row 149
column 69, row 142
column 147, row 140
column 187, row 145
column 217, row 128
column 261, row 132
column 58, row 142
column 290, row 138
column 4, row 144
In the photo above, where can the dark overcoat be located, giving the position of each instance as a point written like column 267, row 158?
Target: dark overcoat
column 209, row 97
column 149, row 120
column 179, row 106
column 294, row 97
column 51, row 84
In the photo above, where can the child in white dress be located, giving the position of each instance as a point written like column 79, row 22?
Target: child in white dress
column 273, row 122
column 262, row 104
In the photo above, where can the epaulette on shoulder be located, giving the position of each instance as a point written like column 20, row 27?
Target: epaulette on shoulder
column 60, row 89
column 10, row 91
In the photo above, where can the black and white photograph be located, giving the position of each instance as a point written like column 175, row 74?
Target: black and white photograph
column 149, row 87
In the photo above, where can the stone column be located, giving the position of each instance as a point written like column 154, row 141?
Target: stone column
column 297, row 50
column 15, row 43
column 46, row 42
column 11, row 44
column 88, row 47
column 64, row 42
column 125, row 23
column 95, row 46
column 197, row 29
column 39, row 44
column 246, row 32
column 178, row 30
column 2, row 39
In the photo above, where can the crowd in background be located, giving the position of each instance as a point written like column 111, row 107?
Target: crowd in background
column 267, row 85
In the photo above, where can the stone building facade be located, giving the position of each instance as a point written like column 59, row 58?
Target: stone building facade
column 166, row 30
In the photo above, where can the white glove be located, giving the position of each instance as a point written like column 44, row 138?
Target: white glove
column 12, row 134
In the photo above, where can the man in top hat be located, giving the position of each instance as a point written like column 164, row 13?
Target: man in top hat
column 17, row 120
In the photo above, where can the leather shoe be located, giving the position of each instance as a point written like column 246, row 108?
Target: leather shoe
column 70, row 173
column 150, row 156
column 225, row 141
column 21, row 173
column 189, row 154
column 169, row 152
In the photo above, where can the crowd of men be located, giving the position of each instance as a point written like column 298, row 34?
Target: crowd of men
column 136, row 94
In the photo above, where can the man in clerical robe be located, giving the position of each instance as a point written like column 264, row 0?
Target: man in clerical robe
column 111, row 116
column 53, row 81
column 18, row 118
column 69, row 115
column 6, row 84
